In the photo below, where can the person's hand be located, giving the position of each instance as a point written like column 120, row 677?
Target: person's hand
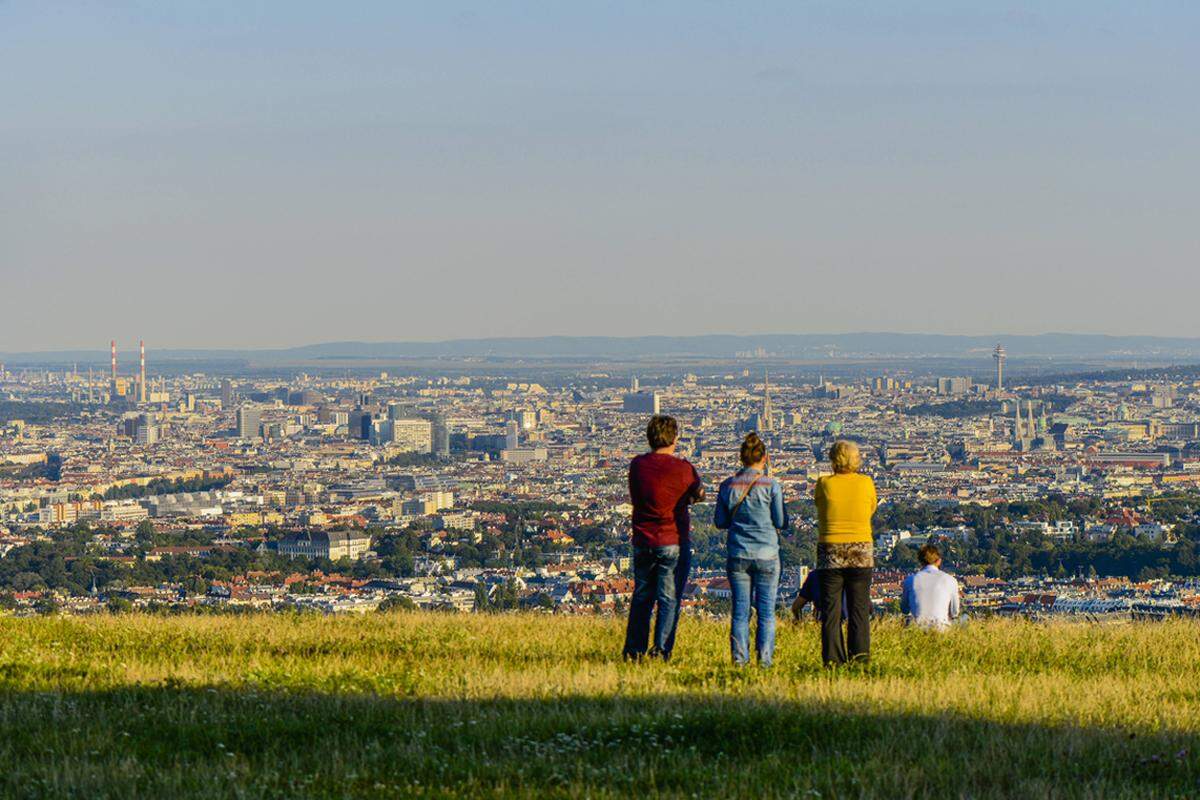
column 798, row 608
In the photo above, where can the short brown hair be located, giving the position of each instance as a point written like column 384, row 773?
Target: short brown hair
column 662, row 431
column 929, row 554
column 753, row 449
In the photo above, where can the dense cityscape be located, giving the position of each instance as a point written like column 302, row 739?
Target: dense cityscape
column 346, row 490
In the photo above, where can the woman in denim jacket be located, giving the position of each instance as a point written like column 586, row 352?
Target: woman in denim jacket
column 750, row 506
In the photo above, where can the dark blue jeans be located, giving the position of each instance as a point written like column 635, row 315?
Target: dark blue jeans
column 653, row 583
column 754, row 581
column 682, row 568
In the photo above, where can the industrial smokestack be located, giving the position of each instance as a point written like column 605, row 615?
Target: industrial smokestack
column 142, row 373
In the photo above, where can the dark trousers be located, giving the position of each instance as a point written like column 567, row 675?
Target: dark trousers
column 856, row 583
column 653, row 584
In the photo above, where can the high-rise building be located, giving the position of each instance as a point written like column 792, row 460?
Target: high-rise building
column 441, row 436
column 1000, row 356
column 952, row 387
column 358, row 424
column 146, row 431
column 227, row 395
column 641, row 403
column 412, row 435
column 248, row 418
column 512, row 433
column 379, row 431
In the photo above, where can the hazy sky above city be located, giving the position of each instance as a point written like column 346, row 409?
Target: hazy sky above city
column 215, row 174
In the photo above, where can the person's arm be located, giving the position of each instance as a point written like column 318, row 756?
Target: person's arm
column 874, row 497
column 905, row 602
column 721, row 518
column 779, row 515
column 696, row 492
column 955, row 601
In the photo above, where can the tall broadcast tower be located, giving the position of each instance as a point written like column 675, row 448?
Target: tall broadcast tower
column 1000, row 357
column 142, row 373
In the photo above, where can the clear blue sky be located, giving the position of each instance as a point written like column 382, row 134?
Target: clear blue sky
column 273, row 173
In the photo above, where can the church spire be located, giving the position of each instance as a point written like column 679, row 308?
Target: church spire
column 767, row 414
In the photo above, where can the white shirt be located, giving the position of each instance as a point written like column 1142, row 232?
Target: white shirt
column 930, row 598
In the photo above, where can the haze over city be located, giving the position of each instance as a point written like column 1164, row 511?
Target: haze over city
column 234, row 175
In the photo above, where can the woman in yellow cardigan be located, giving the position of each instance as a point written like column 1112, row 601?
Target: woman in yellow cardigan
column 846, row 502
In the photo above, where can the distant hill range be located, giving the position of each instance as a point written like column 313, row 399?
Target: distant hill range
column 796, row 346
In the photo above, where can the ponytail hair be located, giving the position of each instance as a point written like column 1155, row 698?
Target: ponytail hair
column 753, row 449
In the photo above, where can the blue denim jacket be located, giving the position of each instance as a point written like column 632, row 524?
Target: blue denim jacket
column 753, row 527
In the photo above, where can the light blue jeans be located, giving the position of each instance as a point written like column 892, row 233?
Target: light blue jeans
column 754, row 581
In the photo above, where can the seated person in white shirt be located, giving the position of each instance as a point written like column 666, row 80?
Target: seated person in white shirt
column 930, row 596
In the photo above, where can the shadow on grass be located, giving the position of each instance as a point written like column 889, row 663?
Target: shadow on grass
column 183, row 742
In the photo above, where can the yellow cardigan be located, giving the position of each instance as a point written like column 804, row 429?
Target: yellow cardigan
column 846, row 502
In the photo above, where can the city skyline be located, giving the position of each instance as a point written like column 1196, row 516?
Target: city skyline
column 221, row 175
column 210, row 459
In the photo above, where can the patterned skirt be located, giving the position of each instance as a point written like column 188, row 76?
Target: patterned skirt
column 845, row 554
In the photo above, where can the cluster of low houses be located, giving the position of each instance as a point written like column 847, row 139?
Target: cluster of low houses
column 573, row 584
column 603, row 588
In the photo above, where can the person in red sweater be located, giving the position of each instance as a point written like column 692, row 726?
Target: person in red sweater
column 661, row 488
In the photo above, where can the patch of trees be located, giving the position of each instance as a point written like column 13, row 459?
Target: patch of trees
column 68, row 564
column 166, row 486
column 953, row 409
column 396, row 603
column 1001, row 552
column 396, row 552
column 37, row 412
column 504, row 597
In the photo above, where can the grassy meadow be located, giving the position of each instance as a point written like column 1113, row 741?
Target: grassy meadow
column 431, row 705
